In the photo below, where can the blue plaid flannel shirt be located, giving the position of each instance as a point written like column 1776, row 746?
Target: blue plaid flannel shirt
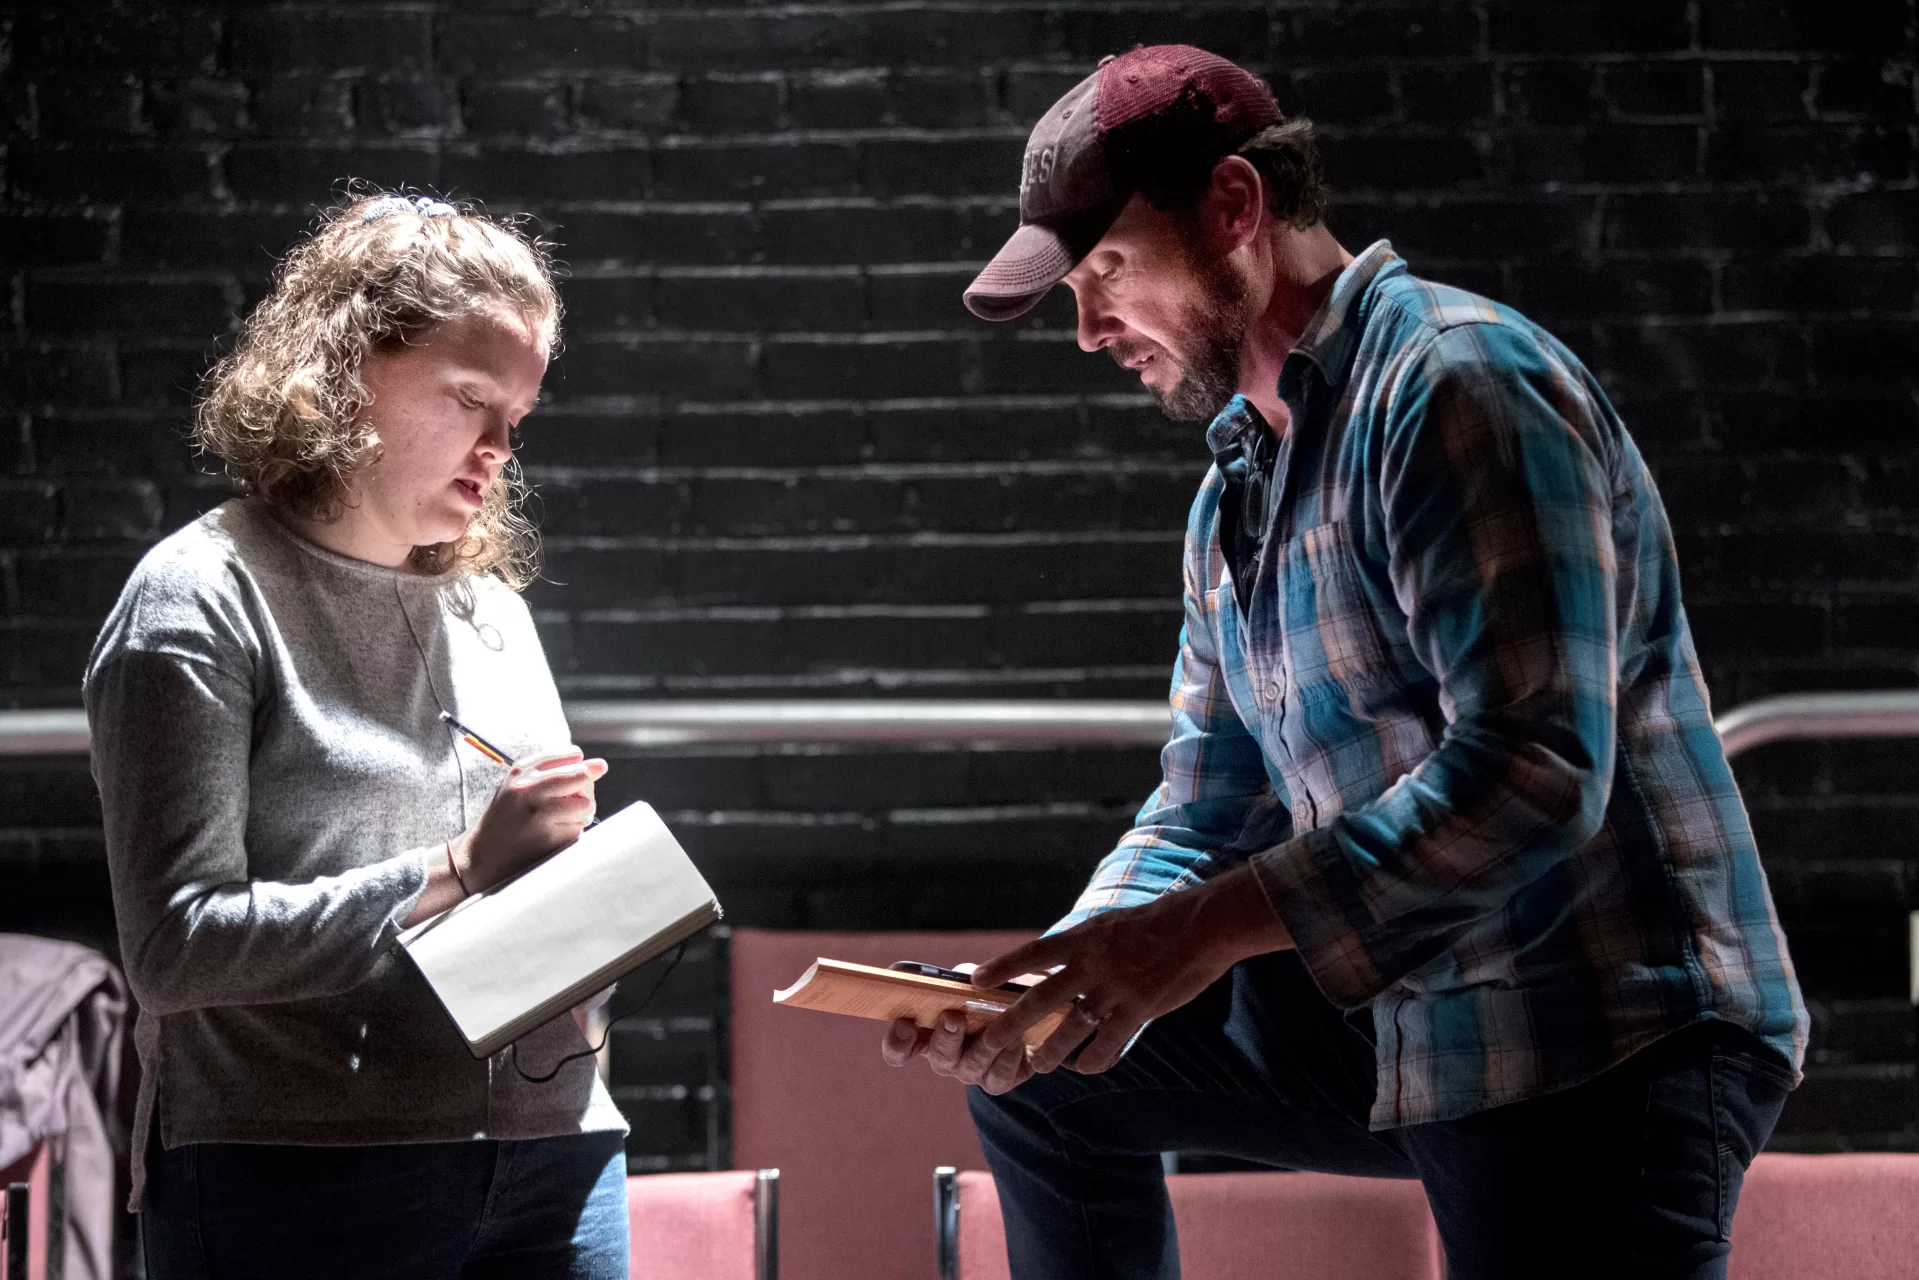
column 1459, row 729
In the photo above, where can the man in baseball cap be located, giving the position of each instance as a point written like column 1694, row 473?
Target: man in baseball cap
column 1090, row 153
column 1447, row 876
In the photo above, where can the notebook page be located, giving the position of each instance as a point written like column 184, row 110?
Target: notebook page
column 498, row 955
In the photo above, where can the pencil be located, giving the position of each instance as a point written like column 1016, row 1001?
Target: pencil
column 478, row 743
column 492, row 752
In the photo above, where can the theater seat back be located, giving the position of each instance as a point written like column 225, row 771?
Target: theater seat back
column 855, row 1140
column 692, row 1226
column 1256, row 1226
column 36, row 1169
column 1831, row 1217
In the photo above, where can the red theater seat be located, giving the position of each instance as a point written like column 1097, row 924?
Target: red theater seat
column 703, row 1226
column 1832, row 1217
column 35, row 1169
column 1843, row 1217
column 854, row 1139
column 1255, row 1226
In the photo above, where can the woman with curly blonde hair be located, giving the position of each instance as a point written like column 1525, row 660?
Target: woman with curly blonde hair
column 282, row 795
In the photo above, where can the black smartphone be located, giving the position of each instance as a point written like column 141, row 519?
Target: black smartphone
column 950, row 975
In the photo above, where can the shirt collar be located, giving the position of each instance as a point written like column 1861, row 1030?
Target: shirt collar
column 1327, row 343
column 1237, row 423
column 1330, row 336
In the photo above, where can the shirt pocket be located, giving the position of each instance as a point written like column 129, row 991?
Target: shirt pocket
column 1332, row 628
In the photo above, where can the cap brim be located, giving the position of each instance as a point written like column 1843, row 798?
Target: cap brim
column 1020, row 274
column 1035, row 258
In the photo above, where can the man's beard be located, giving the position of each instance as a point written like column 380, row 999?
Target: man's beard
column 1208, row 358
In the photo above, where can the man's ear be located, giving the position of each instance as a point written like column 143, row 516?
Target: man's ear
column 1233, row 208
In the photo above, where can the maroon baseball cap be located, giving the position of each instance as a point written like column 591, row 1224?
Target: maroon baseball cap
column 1086, row 155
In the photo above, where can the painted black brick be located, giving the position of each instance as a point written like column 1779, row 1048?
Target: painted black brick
column 529, row 108
column 720, row 368
column 265, row 171
column 1863, row 88
column 157, row 38
column 1548, row 92
column 777, row 457
column 1710, row 222
column 1875, row 222
column 1588, row 26
column 1869, row 26
column 1434, row 94
column 101, row 175
column 934, row 98
column 63, row 304
column 1340, row 96
column 84, row 104
column 409, row 104
column 1397, row 29
column 629, row 102
column 487, row 44
column 1819, row 283
column 796, row 166
column 1376, row 160
column 1669, row 90
column 296, row 105
column 1811, row 154
column 197, row 105
column 28, row 240
column 1773, row 92
column 539, row 175
column 262, row 42
column 1583, row 289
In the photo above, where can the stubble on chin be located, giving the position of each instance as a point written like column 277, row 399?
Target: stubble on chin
column 1208, row 366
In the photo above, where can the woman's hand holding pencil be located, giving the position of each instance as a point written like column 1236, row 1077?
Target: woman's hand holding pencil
column 541, row 807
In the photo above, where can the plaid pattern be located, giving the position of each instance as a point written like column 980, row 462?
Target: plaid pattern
column 1460, row 730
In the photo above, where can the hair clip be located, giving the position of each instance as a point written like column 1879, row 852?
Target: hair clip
column 425, row 206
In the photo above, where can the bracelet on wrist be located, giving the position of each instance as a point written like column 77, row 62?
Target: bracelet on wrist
column 454, row 867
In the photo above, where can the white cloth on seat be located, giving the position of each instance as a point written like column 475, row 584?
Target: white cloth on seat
column 63, row 1011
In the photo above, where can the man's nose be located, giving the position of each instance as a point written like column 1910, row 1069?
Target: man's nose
column 1097, row 326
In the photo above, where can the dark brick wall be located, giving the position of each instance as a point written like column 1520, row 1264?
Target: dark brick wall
column 779, row 458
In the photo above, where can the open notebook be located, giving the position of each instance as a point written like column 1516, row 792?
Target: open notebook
column 505, row 961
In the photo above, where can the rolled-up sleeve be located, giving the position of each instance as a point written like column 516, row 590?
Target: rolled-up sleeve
column 1496, row 506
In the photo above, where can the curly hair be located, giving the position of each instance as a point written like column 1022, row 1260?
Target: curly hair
column 285, row 411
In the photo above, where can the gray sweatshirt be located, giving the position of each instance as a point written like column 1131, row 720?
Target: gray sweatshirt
column 274, row 777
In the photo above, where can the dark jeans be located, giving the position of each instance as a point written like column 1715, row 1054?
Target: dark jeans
column 542, row 1209
column 1633, row 1173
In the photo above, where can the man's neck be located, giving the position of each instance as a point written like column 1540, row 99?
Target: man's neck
column 1303, row 266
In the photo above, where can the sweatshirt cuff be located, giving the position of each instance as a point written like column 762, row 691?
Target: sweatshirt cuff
column 408, row 875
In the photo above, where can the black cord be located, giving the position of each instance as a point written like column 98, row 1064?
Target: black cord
column 514, row 1051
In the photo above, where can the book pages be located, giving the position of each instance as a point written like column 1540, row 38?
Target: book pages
column 862, row 991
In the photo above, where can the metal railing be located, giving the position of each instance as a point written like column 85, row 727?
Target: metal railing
column 44, row 733
column 666, row 724
column 1887, row 713
column 1030, row 723
column 1794, row 717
